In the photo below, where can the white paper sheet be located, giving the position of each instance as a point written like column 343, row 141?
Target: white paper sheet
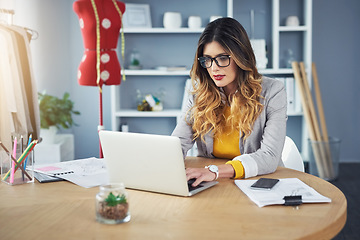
column 88, row 172
column 285, row 187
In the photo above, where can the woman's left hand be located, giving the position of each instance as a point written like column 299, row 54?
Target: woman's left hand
column 201, row 174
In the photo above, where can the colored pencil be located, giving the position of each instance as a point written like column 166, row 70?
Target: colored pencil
column 12, row 173
column 30, row 138
column 14, row 160
column 22, row 157
column 22, row 149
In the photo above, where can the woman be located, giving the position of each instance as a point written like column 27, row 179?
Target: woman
column 233, row 111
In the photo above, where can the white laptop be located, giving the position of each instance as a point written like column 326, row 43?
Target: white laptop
column 147, row 162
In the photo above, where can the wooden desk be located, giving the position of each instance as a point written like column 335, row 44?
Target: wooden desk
column 63, row 210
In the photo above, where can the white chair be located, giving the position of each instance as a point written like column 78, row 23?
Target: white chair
column 291, row 156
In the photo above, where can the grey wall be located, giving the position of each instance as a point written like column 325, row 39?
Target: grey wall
column 58, row 51
column 336, row 51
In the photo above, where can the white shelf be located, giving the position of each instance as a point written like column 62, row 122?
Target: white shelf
column 163, row 30
column 136, row 113
column 276, row 71
column 165, row 113
column 293, row 28
column 295, row 114
column 154, row 72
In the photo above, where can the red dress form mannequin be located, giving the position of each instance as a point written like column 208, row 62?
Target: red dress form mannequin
column 110, row 24
column 100, row 15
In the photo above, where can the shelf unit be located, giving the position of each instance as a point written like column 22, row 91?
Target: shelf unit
column 118, row 113
column 154, row 72
column 305, row 29
column 162, row 30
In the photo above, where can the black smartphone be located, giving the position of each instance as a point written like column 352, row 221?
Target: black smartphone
column 265, row 183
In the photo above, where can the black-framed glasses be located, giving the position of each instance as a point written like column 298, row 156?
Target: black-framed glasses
column 221, row 61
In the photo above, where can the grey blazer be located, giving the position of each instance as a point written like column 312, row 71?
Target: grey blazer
column 261, row 151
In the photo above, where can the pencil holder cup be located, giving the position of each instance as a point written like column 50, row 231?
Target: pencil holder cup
column 17, row 173
column 324, row 158
column 112, row 204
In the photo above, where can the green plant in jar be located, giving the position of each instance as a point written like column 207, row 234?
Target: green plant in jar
column 113, row 200
column 114, row 207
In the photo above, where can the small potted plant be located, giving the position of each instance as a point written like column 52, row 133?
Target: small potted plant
column 55, row 113
column 112, row 206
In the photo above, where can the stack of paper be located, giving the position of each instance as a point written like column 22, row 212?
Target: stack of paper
column 89, row 172
column 285, row 187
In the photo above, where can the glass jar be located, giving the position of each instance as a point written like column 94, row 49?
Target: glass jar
column 135, row 60
column 289, row 58
column 112, row 205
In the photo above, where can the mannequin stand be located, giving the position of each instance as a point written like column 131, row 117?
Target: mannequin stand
column 101, row 126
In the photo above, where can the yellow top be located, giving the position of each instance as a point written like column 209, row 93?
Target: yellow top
column 226, row 146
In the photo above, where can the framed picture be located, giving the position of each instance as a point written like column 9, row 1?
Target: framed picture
column 137, row 16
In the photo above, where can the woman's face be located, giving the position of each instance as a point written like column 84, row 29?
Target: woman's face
column 222, row 76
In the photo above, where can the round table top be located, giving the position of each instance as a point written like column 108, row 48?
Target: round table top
column 50, row 210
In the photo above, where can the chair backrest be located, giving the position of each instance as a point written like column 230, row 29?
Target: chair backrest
column 291, row 156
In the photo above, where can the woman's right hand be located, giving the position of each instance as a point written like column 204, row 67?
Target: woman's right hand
column 200, row 174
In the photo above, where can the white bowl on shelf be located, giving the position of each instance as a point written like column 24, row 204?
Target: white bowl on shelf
column 172, row 20
column 292, row 21
column 194, row 22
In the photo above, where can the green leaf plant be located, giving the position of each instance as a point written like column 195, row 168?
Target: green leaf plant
column 56, row 111
column 113, row 200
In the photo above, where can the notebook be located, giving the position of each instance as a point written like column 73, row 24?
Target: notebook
column 44, row 178
column 147, row 162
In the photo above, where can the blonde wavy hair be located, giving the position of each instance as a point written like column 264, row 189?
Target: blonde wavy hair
column 207, row 114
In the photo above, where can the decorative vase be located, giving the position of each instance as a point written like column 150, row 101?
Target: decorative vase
column 194, row 22
column 214, row 17
column 292, row 21
column 172, row 20
column 48, row 135
column 289, row 58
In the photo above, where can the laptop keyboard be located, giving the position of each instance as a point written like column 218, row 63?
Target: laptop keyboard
column 191, row 188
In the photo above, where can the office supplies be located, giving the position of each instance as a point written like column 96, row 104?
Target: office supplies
column 293, row 200
column 22, row 157
column 22, row 149
column 13, row 163
column 44, row 178
column 88, row 172
column 259, row 46
column 14, row 160
column 147, row 162
column 281, row 191
column 29, row 141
